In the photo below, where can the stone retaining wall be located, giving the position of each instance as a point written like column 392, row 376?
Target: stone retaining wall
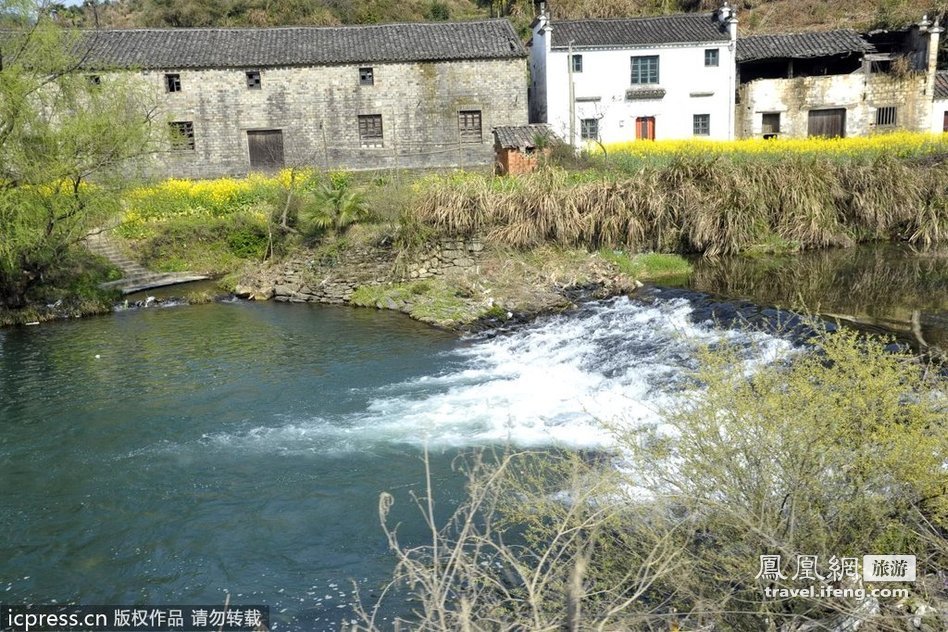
column 303, row 279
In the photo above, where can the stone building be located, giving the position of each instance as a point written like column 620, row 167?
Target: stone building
column 615, row 80
column 836, row 83
column 359, row 97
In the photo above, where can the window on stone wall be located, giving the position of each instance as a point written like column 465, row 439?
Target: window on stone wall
column 577, row 61
column 770, row 124
column 712, row 57
column 173, row 82
column 370, row 131
column 182, row 135
column 94, row 80
column 254, row 82
column 645, row 69
column 589, row 129
column 887, row 116
column 469, row 126
column 702, row 124
column 366, row 76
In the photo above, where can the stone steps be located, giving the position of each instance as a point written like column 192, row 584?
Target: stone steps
column 135, row 277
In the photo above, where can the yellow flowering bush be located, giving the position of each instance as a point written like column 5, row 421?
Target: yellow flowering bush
column 899, row 144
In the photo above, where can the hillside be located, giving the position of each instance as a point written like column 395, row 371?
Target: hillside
column 755, row 15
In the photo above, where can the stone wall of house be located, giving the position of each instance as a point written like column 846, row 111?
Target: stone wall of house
column 334, row 279
column 317, row 109
column 861, row 94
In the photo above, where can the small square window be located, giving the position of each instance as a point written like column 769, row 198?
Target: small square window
column 577, row 61
column 589, row 129
column 366, row 76
column 702, row 125
column 712, row 57
column 253, row 80
column 173, row 82
column 370, row 131
column 182, row 135
column 469, row 126
column 887, row 116
column 94, row 80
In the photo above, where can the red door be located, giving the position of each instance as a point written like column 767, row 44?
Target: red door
column 645, row 128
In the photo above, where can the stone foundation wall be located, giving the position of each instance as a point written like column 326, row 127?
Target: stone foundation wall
column 304, row 279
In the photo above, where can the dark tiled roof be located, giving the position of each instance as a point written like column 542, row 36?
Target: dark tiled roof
column 520, row 136
column 629, row 32
column 941, row 85
column 801, row 45
column 301, row 46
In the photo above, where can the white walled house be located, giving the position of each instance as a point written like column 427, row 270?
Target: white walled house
column 669, row 77
column 940, row 109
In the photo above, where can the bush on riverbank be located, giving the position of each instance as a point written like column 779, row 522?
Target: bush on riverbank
column 834, row 452
column 712, row 204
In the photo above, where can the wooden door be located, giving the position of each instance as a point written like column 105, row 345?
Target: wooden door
column 266, row 149
column 828, row 123
column 945, row 127
column 645, row 128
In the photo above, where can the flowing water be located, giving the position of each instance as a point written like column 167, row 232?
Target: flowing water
column 172, row 455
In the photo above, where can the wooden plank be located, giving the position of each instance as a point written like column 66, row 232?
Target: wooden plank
column 830, row 123
column 266, row 149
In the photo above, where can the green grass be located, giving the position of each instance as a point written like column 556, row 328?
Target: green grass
column 432, row 301
column 650, row 266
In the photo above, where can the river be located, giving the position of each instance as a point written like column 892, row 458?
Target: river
column 175, row 455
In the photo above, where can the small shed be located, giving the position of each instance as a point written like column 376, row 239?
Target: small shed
column 518, row 147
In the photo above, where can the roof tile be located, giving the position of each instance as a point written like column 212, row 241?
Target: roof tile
column 300, row 46
column 631, row 32
column 941, row 85
column 801, row 45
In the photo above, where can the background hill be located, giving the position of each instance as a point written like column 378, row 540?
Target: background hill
column 755, row 15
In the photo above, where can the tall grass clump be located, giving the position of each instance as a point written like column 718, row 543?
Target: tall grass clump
column 710, row 203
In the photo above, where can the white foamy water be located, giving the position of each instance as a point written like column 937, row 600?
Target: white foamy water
column 563, row 381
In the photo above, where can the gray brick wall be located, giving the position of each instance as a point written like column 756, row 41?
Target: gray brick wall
column 317, row 109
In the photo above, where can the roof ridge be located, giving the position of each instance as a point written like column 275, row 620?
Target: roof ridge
column 795, row 33
column 640, row 18
column 294, row 27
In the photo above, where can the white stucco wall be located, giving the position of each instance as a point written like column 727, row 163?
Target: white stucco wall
column 600, row 90
column 939, row 112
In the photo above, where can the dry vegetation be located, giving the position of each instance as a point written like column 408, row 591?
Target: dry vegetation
column 712, row 205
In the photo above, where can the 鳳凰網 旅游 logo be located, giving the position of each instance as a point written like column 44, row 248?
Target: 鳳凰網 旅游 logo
column 809, row 576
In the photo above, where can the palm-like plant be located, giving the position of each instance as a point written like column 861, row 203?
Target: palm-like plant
column 336, row 207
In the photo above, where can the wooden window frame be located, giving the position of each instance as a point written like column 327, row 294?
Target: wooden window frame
column 887, row 116
column 471, row 126
column 182, row 135
column 172, row 82
column 254, row 80
column 371, row 131
column 712, row 57
column 576, row 61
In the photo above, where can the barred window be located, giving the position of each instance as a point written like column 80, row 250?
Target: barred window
column 712, row 57
column 702, row 125
column 182, row 135
column 645, row 70
column 254, row 81
column 370, row 130
column 589, row 129
column 577, row 62
column 173, row 82
column 887, row 116
column 469, row 125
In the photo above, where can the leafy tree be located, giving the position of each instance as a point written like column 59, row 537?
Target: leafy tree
column 64, row 136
